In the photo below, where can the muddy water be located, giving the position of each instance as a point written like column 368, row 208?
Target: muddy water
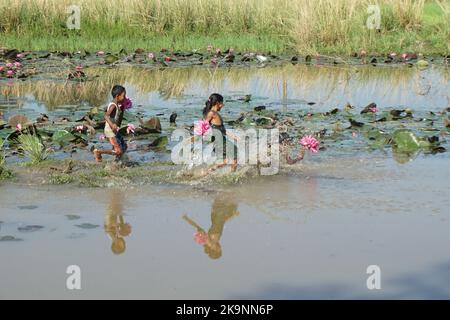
column 310, row 233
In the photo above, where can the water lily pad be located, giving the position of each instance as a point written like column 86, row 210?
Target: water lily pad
column 159, row 143
column 27, row 207
column 111, row 59
column 72, row 216
column 18, row 119
column 63, row 137
column 152, row 124
column 87, row 226
column 31, row 228
column 405, row 140
column 422, row 64
column 9, row 238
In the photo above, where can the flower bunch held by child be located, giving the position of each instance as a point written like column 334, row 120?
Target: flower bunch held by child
column 127, row 103
column 201, row 127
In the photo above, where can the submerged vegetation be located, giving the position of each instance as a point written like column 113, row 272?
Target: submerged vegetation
column 325, row 26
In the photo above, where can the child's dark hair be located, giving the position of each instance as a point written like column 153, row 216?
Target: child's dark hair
column 212, row 101
column 116, row 90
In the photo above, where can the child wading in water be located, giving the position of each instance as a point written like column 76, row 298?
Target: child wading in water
column 212, row 115
column 113, row 118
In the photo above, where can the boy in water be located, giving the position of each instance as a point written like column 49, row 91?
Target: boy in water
column 113, row 118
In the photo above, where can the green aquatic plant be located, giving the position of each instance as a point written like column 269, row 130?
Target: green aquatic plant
column 33, row 148
column 4, row 172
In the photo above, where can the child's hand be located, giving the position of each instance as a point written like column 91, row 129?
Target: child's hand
column 115, row 128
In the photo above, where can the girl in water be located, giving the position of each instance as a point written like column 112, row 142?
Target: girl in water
column 211, row 113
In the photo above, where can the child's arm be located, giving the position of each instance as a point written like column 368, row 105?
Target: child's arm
column 192, row 223
column 109, row 120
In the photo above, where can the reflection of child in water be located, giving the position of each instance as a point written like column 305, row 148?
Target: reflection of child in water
column 223, row 209
column 115, row 225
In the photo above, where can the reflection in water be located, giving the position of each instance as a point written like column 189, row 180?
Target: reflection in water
column 115, row 226
column 223, row 208
column 284, row 84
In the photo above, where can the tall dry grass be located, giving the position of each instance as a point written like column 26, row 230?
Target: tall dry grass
column 158, row 16
column 343, row 22
column 303, row 24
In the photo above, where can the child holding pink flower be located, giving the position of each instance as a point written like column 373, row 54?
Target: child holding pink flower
column 211, row 116
column 113, row 118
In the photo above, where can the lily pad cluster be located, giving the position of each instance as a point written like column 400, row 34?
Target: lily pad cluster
column 18, row 64
column 405, row 131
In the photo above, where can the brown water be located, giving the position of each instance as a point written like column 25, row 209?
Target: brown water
column 311, row 235
column 309, row 232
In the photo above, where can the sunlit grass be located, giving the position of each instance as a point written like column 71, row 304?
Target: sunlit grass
column 326, row 26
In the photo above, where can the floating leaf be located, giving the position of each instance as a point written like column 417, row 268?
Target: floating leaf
column 159, row 143
column 72, row 217
column 30, row 228
column 422, row 64
column 9, row 238
column 87, row 226
column 28, row 207
column 404, row 140
column 111, row 59
column 63, row 137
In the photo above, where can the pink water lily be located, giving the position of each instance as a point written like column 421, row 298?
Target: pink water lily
column 10, row 73
column 373, row 110
column 19, row 127
column 79, row 128
column 1, row 68
column 151, row 56
column 79, row 68
column 102, row 137
column 201, row 238
column 201, row 127
column 9, row 65
column 310, row 143
column 130, row 128
column 19, row 55
column 214, row 61
column 100, row 53
column 127, row 103
column 17, row 64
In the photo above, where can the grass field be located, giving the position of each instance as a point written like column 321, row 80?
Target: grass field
column 325, row 26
